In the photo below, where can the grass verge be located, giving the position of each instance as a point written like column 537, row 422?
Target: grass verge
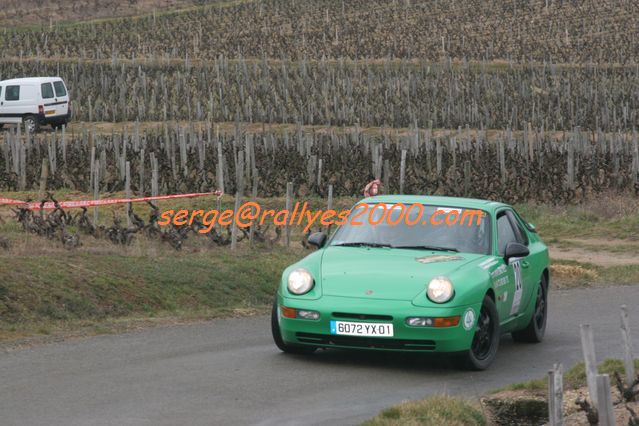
column 436, row 410
column 574, row 378
column 43, row 295
column 449, row 410
column 572, row 274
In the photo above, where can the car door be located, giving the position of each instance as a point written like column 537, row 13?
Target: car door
column 2, row 117
column 529, row 277
column 48, row 99
column 61, row 97
column 508, row 279
column 11, row 104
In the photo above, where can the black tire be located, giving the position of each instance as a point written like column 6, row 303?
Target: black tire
column 279, row 342
column 486, row 340
column 536, row 328
column 31, row 123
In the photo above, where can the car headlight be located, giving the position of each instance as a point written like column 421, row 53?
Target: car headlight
column 300, row 281
column 440, row 290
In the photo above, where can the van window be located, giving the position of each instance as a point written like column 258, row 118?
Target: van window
column 47, row 90
column 0, row 92
column 12, row 93
column 60, row 90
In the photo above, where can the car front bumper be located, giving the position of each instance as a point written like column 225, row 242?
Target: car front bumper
column 406, row 338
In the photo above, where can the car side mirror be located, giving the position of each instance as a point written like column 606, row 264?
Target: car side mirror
column 532, row 227
column 515, row 250
column 317, row 239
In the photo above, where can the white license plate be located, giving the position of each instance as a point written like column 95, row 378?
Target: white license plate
column 348, row 328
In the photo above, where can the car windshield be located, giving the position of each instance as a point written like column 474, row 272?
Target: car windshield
column 416, row 226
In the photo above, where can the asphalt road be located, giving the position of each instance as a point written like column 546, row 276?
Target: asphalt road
column 229, row 372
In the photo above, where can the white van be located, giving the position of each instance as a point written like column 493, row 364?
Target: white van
column 34, row 101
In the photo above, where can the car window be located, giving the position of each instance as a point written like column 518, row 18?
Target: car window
column 505, row 233
column 523, row 221
column 47, row 90
column 12, row 93
column 521, row 235
column 60, row 90
column 386, row 226
column 0, row 92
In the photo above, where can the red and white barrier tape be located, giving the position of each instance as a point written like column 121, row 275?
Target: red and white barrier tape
column 49, row 205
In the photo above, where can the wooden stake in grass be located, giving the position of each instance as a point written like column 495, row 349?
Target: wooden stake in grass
column 319, row 175
column 386, row 174
column 220, row 161
column 141, row 172
column 289, row 204
column 238, row 197
column 127, row 189
column 502, row 161
column 570, row 173
column 64, row 144
column 23, row 164
column 438, row 151
column 92, row 172
column 402, row 171
column 604, row 404
column 555, row 396
column 96, row 193
column 329, row 206
column 627, row 346
column 588, row 347
column 154, row 175
column 467, row 177
column 44, row 174
column 254, row 198
column 635, row 156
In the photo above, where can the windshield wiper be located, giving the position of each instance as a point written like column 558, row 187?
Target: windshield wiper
column 435, row 248
column 362, row 244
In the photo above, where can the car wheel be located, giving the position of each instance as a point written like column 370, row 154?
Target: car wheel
column 485, row 342
column 536, row 328
column 31, row 123
column 279, row 342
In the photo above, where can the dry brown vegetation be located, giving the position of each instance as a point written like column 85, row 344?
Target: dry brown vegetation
column 19, row 13
column 187, row 159
column 541, row 30
column 404, row 94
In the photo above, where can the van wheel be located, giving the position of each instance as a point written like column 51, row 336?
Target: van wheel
column 30, row 123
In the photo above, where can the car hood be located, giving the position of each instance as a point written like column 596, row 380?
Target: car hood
column 385, row 273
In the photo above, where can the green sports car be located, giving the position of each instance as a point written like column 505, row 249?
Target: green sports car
column 409, row 275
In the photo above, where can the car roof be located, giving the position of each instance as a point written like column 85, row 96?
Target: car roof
column 433, row 200
column 31, row 80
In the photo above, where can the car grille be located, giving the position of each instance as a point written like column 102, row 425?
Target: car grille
column 366, row 342
column 362, row 316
